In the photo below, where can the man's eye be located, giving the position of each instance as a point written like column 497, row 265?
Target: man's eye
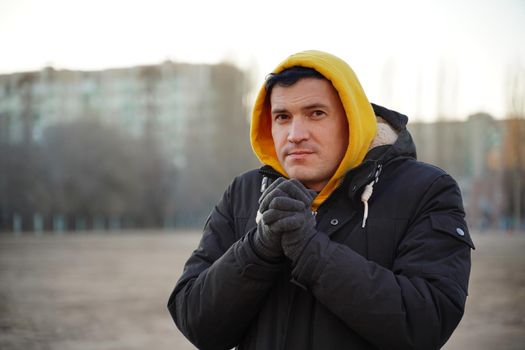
column 281, row 117
column 318, row 114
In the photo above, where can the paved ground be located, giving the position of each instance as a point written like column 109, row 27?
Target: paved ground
column 109, row 291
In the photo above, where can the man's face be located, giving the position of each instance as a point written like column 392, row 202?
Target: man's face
column 309, row 130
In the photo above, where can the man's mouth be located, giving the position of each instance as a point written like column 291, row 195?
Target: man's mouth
column 299, row 154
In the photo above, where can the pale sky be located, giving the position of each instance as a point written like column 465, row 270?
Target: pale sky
column 402, row 51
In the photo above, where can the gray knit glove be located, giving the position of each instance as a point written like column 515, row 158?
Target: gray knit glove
column 290, row 216
column 267, row 244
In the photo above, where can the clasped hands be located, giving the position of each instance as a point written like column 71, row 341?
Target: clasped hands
column 286, row 221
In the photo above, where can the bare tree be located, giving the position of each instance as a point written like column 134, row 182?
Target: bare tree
column 22, row 177
column 446, row 106
column 388, row 76
column 96, row 170
column 514, row 151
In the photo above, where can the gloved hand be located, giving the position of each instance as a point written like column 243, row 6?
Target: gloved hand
column 266, row 243
column 290, row 216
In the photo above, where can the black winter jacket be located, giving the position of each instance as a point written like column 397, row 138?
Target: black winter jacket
column 399, row 283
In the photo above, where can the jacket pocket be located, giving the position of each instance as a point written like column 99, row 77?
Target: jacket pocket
column 452, row 226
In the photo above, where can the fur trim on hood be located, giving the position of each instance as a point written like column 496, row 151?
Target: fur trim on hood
column 386, row 134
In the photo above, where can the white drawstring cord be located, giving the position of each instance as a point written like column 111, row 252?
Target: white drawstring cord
column 367, row 193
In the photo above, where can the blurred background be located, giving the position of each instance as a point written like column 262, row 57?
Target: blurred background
column 122, row 122
column 136, row 114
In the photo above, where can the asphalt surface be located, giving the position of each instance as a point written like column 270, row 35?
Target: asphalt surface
column 109, row 291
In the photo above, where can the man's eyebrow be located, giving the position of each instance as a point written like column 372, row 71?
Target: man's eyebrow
column 305, row 108
column 314, row 106
column 279, row 110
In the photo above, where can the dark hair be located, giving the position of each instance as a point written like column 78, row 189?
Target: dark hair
column 290, row 76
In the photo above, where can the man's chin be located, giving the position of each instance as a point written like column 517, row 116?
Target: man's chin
column 302, row 174
column 306, row 175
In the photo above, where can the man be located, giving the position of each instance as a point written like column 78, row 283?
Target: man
column 342, row 240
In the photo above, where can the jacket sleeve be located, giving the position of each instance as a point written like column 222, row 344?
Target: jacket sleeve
column 419, row 302
column 205, row 304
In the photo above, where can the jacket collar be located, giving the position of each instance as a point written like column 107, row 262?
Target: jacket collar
column 381, row 156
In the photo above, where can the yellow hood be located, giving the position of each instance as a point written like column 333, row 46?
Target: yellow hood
column 362, row 123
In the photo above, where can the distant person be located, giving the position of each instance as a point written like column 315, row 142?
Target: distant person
column 342, row 240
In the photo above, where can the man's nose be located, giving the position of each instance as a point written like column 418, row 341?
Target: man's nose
column 298, row 131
